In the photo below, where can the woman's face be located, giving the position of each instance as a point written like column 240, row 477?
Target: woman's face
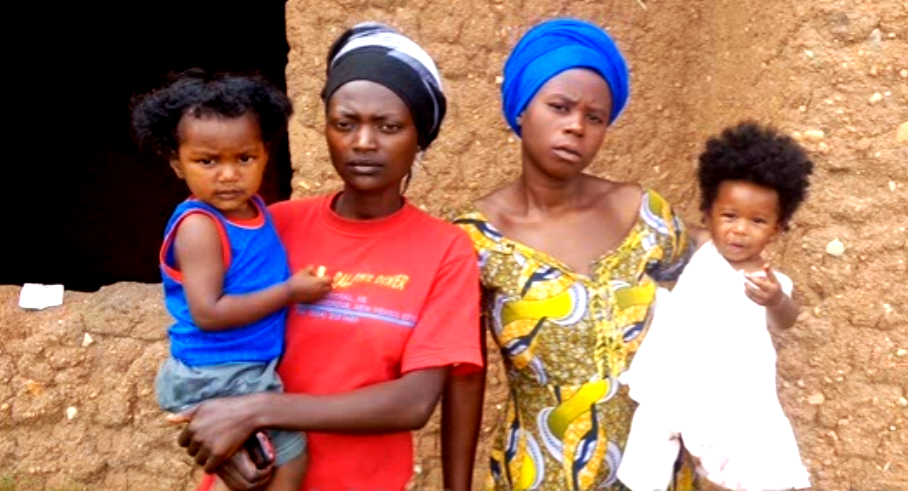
column 371, row 136
column 564, row 124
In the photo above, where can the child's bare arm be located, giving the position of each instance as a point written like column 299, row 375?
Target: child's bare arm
column 199, row 256
column 784, row 314
column 781, row 310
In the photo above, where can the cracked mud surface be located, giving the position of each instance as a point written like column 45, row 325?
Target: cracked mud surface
column 829, row 71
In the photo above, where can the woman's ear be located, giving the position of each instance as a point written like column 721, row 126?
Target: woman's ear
column 417, row 162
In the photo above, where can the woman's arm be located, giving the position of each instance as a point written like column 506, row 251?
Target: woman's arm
column 446, row 334
column 217, row 428
column 461, row 418
column 673, row 237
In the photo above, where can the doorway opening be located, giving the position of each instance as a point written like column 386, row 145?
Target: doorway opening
column 89, row 209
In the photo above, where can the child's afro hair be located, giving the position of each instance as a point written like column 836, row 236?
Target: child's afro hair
column 757, row 154
column 156, row 115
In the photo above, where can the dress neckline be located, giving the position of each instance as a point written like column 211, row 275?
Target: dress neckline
column 511, row 245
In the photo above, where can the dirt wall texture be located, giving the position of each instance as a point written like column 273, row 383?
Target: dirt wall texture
column 832, row 72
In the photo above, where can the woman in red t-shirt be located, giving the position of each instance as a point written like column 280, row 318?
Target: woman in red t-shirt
column 367, row 364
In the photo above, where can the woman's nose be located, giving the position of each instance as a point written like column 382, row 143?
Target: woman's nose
column 575, row 123
column 364, row 140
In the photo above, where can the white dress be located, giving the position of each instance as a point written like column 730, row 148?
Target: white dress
column 708, row 334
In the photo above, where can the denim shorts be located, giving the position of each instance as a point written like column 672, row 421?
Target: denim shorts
column 180, row 387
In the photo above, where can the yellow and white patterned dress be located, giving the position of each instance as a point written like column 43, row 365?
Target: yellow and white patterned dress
column 565, row 337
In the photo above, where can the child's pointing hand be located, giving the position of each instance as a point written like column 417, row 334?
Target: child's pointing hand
column 763, row 287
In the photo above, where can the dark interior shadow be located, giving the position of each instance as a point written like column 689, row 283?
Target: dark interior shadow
column 87, row 209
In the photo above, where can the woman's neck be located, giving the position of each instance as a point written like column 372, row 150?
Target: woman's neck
column 542, row 194
column 367, row 206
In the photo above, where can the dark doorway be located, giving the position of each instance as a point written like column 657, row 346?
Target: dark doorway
column 89, row 210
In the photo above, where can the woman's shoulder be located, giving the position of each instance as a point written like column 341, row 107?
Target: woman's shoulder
column 615, row 194
column 460, row 212
column 631, row 193
column 294, row 210
column 473, row 224
column 633, row 197
column 435, row 230
column 638, row 203
column 297, row 204
column 491, row 207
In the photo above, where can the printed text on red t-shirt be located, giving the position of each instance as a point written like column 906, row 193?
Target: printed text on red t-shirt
column 345, row 307
column 394, row 281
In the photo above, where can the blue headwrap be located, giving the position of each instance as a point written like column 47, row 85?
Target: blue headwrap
column 552, row 47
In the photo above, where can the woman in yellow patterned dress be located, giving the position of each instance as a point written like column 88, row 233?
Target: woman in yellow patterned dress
column 569, row 263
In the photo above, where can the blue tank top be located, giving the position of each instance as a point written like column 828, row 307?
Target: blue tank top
column 254, row 259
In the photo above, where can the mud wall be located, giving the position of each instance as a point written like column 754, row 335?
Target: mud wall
column 833, row 72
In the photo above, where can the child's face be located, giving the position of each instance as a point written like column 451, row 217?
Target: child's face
column 222, row 161
column 743, row 220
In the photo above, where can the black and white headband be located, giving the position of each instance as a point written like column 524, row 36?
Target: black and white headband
column 377, row 53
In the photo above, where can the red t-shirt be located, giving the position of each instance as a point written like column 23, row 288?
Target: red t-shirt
column 405, row 297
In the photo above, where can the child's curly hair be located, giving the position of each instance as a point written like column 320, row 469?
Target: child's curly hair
column 156, row 115
column 758, row 154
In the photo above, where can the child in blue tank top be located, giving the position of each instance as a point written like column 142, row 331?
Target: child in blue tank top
column 225, row 274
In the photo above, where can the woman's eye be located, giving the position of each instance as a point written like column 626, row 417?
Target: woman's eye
column 594, row 119
column 557, row 106
column 343, row 125
column 389, row 127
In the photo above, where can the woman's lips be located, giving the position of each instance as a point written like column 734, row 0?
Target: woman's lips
column 567, row 154
column 365, row 168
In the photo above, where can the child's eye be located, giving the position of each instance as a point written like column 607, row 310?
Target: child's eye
column 247, row 159
column 759, row 220
column 205, row 161
column 594, row 119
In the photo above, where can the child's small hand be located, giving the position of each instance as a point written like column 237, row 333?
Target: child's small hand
column 763, row 289
column 309, row 285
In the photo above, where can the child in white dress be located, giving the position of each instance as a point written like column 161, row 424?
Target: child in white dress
column 712, row 329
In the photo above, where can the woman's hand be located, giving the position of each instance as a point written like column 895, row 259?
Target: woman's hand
column 308, row 285
column 217, row 429
column 240, row 474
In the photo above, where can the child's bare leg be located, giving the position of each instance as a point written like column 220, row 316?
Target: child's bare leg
column 289, row 477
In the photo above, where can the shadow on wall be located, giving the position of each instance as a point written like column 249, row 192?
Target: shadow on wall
column 86, row 208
